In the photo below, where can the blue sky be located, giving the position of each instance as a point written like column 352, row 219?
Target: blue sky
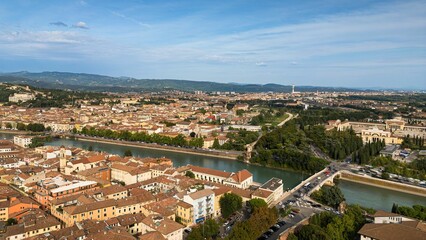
column 323, row 43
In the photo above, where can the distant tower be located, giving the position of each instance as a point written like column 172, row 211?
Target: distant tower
column 62, row 159
column 292, row 89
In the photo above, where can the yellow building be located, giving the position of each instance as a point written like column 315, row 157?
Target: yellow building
column 375, row 134
column 185, row 212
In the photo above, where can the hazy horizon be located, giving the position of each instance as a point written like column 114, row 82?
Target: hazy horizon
column 353, row 44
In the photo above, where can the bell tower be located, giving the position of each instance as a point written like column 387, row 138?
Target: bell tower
column 62, row 159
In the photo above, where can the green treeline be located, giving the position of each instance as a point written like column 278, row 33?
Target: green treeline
column 336, row 144
column 267, row 116
column 5, row 93
column 415, row 169
column 328, row 226
column 237, row 140
column 52, row 97
column 330, row 196
column 287, row 147
column 32, row 127
column 179, row 140
column 314, row 116
column 366, row 153
column 417, row 211
column 416, row 143
column 260, row 220
column 39, row 141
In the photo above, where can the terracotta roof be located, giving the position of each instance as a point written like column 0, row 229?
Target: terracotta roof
column 387, row 231
column 220, row 191
column 381, row 213
column 152, row 236
column 262, row 193
column 210, row 171
column 161, row 224
column 201, row 193
column 184, row 204
column 242, row 175
column 71, row 210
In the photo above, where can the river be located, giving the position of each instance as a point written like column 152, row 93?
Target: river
column 377, row 198
column 355, row 193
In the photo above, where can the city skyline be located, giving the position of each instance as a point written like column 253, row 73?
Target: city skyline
column 363, row 44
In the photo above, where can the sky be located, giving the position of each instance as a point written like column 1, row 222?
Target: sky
column 342, row 43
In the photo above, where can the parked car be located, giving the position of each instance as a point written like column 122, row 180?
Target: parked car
column 281, row 223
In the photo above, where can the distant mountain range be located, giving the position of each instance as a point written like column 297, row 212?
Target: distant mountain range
column 92, row 82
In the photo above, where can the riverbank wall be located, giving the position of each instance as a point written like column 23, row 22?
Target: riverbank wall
column 17, row 132
column 225, row 155
column 376, row 182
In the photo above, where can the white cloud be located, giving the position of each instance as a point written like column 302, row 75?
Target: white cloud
column 142, row 24
column 80, row 24
column 55, row 37
column 383, row 28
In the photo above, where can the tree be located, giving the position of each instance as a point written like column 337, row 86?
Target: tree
column 385, row 175
column 11, row 221
column 216, row 144
column 128, row 153
column 21, row 127
column 260, row 220
column 208, row 230
column 229, row 203
column 90, row 148
column 312, row 232
column 394, row 208
column 192, row 134
column 291, row 236
column 256, row 203
column 331, row 196
column 190, row 174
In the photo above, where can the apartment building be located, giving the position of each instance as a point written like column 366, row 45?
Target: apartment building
column 129, row 174
column 22, row 141
column 32, row 225
column 57, row 187
column 202, row 203
column 185, row 212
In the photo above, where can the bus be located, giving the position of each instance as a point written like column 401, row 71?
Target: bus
column 307, row 184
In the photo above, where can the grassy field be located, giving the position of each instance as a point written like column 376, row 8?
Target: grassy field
column 277, row 120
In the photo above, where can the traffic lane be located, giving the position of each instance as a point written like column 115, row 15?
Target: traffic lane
column 292, row 221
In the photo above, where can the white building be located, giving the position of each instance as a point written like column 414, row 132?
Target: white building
column 23, row 97
column 22, row 141
column 203, row 204
column 241, row 179
column 129, row 175
column 391, row 226
column 275, row 185
column 387, row 217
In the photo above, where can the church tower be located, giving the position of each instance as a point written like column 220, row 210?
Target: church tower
column 62, row 159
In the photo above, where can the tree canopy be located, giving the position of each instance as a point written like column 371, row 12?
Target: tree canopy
column 331, row 196
column 229, row 203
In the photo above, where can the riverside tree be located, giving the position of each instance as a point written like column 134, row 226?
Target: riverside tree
column 230, row 203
